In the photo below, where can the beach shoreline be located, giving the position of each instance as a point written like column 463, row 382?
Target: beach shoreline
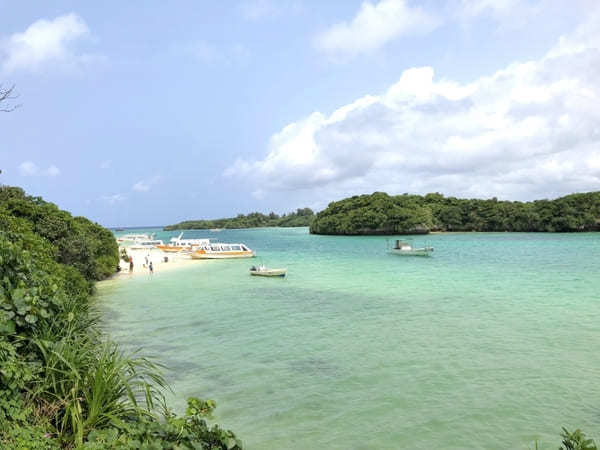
column 156, row 257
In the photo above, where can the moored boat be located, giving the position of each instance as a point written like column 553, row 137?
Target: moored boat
column 404, row 248
column 179, row 244
column 150, row 243
column 222, row 251
column 134, row 238
column 262, row 271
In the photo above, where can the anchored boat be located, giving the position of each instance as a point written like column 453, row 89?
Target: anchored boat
column 262, row 271
column 151, row 243
column 404, row 248
column 177, row 244
column 134, row 238
column 222, row 251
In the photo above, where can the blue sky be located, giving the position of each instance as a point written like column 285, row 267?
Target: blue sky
column 139, row 113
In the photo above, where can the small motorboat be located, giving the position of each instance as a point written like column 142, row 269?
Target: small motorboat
column 404, row 248
column 262, row 271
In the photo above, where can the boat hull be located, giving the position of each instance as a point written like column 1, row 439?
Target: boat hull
column 269, row 273
column 222, row 255
column 171, row 249
column 413, row 252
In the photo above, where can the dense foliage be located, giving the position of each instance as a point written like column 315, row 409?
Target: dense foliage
column 380, row 213
column 76, row 241
column 301, row 218
column 62, row 384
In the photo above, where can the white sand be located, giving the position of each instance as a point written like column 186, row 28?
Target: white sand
column 157, row 257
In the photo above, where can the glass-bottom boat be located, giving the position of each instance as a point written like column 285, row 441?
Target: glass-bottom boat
column 222, row 251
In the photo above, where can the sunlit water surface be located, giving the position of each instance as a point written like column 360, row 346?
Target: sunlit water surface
column 490, row 343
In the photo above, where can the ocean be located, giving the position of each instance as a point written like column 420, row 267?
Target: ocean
column 492, row 342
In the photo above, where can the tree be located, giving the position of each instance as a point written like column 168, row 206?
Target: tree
column 7, row 95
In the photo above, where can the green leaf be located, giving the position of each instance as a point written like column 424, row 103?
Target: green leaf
column 29, row 318
column 7, row 327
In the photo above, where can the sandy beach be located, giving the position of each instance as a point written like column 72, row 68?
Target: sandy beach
column 157, row 257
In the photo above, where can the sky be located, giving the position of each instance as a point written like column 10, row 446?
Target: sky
column 151, row 112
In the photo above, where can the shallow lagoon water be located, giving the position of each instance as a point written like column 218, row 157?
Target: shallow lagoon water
column 490, row 343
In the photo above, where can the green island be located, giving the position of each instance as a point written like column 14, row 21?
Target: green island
column 302, row 217
column 383, row 214
column 63, row 384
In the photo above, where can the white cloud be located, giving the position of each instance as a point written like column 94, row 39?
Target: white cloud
column 44, row 42
column 146, row 185
column 509, row 14
column 52, row 171
column 113, row 199
column 529, row 130
column 495, row 8
column 28, row 168
column 373, row 26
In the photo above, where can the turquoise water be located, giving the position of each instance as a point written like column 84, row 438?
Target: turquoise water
column 490, row 343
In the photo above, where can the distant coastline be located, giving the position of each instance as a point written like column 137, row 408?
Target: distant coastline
column 302, row 217
column 382, row 214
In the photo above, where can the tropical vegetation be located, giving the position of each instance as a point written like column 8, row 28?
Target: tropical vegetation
column 62, row 383
column 380, row 213
column 302, row 217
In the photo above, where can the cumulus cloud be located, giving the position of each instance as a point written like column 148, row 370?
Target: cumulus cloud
column 44, row 42
column 509, row 13
column 529, row 130
column 146, row 185
column 28, row 168
column 496, row 8
column 373, row 26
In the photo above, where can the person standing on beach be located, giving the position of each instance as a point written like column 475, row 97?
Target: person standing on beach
column 151, row 268
column 130, row 264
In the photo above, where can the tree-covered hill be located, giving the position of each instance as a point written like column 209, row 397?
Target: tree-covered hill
column 380, row 213
column 76, row 241
column 301, row 218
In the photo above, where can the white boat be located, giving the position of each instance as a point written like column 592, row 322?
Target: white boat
column 150, row 243
column 404, row 248
column 262, row 271
column 178, row 244
column 222, row 251
column 134, row 238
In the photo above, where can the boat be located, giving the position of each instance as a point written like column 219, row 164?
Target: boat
column 404, row 248
column 222, row 251
column 178, row 244
column 262, row 271
column 134, row 238
column 150, row 243
column 216, row 230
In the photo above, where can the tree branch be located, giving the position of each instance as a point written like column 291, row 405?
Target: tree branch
column 7, row 94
